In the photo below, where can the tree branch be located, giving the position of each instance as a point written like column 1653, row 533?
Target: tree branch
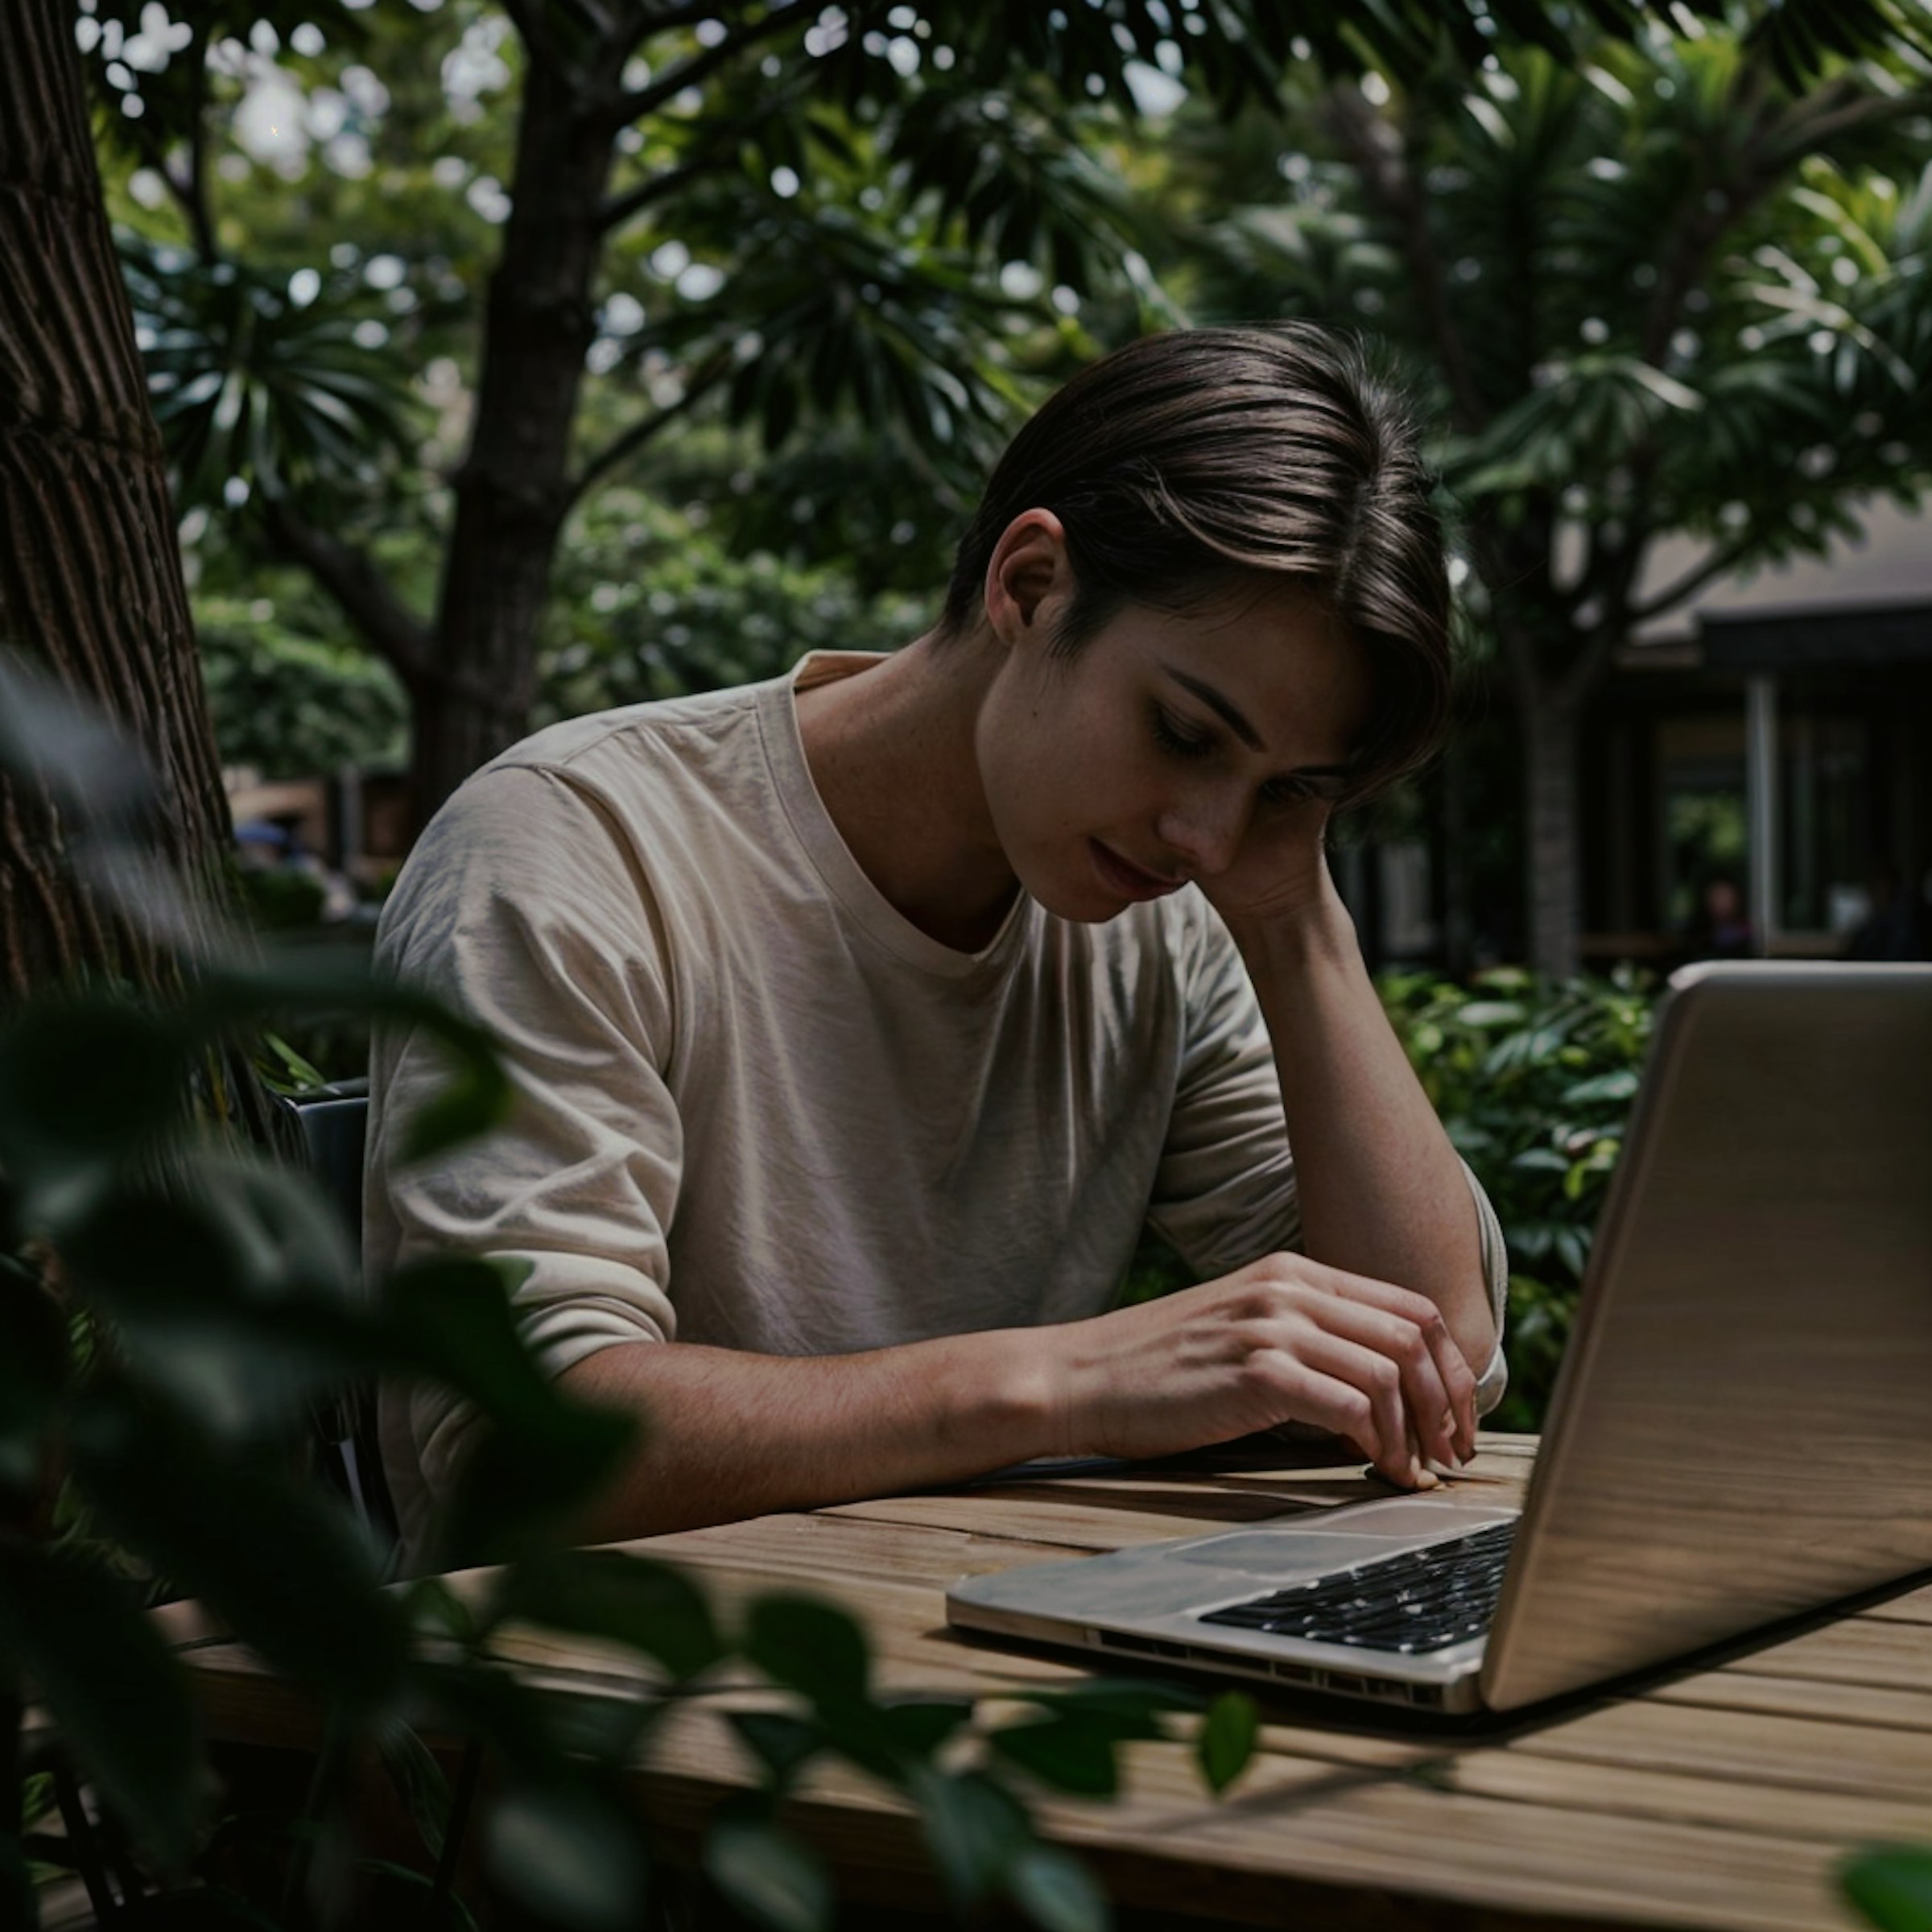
column 352, row 578
column 640, row 101
column 620, row 448
column 1381, row 171
column 618, row 209
column 1716, row 565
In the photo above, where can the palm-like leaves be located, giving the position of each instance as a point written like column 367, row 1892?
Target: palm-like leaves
column 1653, row 269
column 247, row 384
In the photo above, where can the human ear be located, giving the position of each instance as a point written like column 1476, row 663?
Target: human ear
column 1029, row 576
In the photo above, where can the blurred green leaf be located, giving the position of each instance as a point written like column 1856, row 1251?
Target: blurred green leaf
column 974, row 1829
column 1619, row 1084
column 1892, row 1885
column 34, row 1364
column 782, row 1744
column 417, row 1779
column 1135, row 1704
column 235, row 1291
column 570, row 1854
column 116, row 1695
column 520, row 1487
column 17, row 1902
column 767, row 1874
column 920, row 1725
column 648, row 1607
column 1227, row 1738
column 538, row 1454
column 808, row 1646
column 313, row 979
column 275, row 1556
column 85, row 1084
column 1055, row 1891
column 1069, row 1752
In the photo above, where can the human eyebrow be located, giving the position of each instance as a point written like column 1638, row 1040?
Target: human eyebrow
column 1222, row 706
column 1323, row 781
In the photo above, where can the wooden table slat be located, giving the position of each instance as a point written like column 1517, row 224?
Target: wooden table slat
column 1721, row 1799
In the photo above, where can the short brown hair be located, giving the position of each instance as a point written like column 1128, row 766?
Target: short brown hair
column 1189, row 463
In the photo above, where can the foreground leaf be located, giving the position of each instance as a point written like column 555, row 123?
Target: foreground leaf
column 769, row 1876
column 33, row 1373
column 571, row 1854
column 1227, row 1739
column 808, row 1646
column 782, row 1744
column 647, row 1606
column 1055, row 1890
column 1892, row 1885
column 286, row 1567
column 116, row 1695
column 1073, row 1754
column 974, row 1829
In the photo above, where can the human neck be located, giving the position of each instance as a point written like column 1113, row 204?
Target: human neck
column 891, row 752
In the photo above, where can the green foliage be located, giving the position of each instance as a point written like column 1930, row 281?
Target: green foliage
column 289, row 700
column 255, row 389
column 1891, row 1885
column 653, row 604
column 1533, row 1082
column 219, row 1305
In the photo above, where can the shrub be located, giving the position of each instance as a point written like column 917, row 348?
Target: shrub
column 180, row 1316
column 1533, row 1082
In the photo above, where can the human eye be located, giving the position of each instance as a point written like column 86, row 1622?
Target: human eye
column 1173, row 737
column 1289, row 791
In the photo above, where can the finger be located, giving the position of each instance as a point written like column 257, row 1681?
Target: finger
column 1377, row 1380
column 1428, row 1402
column 1459, row 1382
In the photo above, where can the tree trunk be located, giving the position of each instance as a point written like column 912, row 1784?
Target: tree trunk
column 90, row 574
column 513, row 491
column 1552, row 843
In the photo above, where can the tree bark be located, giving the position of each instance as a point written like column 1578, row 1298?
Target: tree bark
column 473, row 696
column 91, row 588
column 1552, row 842
column 90, row 574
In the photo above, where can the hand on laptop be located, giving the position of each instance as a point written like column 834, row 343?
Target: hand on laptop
column 1283, row 1340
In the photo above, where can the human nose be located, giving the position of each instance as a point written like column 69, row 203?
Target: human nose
column 1205, row 828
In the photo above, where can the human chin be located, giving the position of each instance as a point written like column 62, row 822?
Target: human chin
column 1063, row 880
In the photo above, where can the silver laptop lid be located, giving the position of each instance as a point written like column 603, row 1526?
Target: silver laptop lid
column 1742, row 1428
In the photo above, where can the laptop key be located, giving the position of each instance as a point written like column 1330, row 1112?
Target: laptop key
column 1421, row 1600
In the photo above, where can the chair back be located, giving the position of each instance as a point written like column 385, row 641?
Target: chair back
column 334, row 1121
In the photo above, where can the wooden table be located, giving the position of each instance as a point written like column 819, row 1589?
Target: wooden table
column 1723, row 1796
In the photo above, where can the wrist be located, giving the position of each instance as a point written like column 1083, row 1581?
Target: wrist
column 1005, row 1394
column 1315, row 928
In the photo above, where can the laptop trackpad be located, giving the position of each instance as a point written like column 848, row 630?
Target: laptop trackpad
column 1377, row 1531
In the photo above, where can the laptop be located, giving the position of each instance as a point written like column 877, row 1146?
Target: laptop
column 1741, row 1431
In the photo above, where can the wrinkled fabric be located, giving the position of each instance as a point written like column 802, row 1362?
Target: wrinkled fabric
column 757, row 1107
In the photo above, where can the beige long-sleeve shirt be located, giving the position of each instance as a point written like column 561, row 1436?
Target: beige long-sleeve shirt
column 758, row 1108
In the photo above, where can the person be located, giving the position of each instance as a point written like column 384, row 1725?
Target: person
column 1891, row 928
column 860, row 1019
column 1720, row 929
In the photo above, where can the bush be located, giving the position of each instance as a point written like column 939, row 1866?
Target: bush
column 1533, row 1082
column 181, row 1321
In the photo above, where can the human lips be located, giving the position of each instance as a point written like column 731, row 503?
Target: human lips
column 1121, row 876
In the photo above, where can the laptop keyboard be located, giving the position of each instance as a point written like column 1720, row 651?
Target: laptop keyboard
column 1423, row 1599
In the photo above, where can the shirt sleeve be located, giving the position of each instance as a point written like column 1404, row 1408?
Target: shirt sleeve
column 1224, row 1192
column 523, row 908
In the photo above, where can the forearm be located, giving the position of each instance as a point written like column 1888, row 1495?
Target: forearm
column 727, row 1435
column 1382, row 1192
